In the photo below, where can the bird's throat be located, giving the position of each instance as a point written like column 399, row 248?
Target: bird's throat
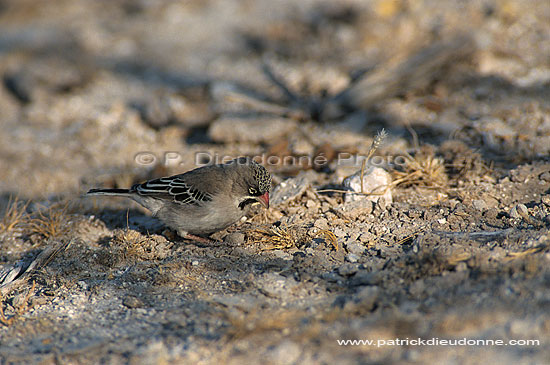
column 247, row 202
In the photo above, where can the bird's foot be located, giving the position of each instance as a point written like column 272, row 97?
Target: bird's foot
column 170, row 235
column 197, row 239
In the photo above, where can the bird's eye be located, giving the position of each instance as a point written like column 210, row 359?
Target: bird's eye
column 252, row 191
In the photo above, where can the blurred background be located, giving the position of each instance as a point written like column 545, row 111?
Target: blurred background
column 88, row 85
column 110, row 93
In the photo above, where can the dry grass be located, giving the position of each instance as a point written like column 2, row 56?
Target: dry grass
column 281, row 238
column 329, row 237
column 52, row 222
column 132, row 244
column 459, row 257
column 412, row 236
column 423, row 169
column 275, row 238
column 380, row 136
column 129, row 242
column 15, row 215
column 19, row 309
column 521, row 254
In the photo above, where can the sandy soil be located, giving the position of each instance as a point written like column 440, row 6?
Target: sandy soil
column 112, row 93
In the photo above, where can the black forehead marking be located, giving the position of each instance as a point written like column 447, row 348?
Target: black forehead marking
column 262, row 176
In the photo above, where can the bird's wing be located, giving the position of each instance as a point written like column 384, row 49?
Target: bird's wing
column 173, row 188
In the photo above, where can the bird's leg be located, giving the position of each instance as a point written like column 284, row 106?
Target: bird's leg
column 200, row 239
column 192, row 237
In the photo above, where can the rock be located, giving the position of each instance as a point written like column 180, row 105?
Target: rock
column 351, row 257
column 519, row 211
column 356, row 209
column 288, row 190
column 282, row 255
column 132, row 302
column 546, row 200
column 365, row 278
column 83, row 285
column 348, row 269
column 522, row 210
column 356, row 248
column 256, row 130
column 235, row 238
column 321, row 223
column 310, row 204
column 479, row 205
column 366, row 237
column 275, row 286
column 339, row 232
column 375, row 180
column 331, row 277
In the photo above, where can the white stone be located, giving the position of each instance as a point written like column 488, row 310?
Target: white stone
column 375, row 180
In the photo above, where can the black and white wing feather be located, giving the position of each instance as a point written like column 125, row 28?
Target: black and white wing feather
column 173, row 188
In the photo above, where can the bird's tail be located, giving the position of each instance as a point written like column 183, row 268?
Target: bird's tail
column 112, row 192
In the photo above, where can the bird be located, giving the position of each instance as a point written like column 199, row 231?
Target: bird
column 202, row 201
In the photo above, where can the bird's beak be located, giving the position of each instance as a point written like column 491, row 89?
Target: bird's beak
column 264, row 199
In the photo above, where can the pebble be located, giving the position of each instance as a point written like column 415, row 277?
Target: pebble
column 491, row 213
column 519, row 211
column 522, row 210
column 366, row 237
column 375, row 179
column 132, row 302
column 355, row 248
column 348, row 269
column 289, row 190
column 321, row 223
column 310, row 204
column 235, row 238
column 275, row 286
column 479, row 204
column 351, row 257
column 330, row 277
column 282, row 255
column 546, row 199
column 356, row 209
column 339, row 232
column 365, row 278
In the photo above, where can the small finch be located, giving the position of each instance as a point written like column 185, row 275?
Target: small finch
column 204, row 200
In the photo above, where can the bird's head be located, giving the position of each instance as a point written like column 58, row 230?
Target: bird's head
column 253, row 184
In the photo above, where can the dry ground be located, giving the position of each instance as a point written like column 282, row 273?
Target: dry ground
column 112, row 93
